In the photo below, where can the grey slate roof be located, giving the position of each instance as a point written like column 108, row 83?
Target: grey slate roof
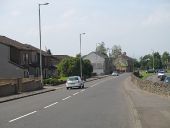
column 9, row 42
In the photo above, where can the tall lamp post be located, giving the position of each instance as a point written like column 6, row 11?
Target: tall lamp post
column 80, row 56
column 153, row 60
column 39, row 5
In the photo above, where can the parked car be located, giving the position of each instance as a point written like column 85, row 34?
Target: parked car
column 161, row 73
column 167, row 80
column 115, row 73
column 74, row 81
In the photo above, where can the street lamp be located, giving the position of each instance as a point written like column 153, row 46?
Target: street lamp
column 153, row 60
column 39, row 5
column 96, row 58
column 80, row 56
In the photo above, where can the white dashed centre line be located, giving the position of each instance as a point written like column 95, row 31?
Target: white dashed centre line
column 82, row 90
column 75, row 93
column 51, row 105
column 66, row 98
column 22, row 116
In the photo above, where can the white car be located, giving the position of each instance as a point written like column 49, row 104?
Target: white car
column 160, row 74
column 115, row 74
column 74, row 81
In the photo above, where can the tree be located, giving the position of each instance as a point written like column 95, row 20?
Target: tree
column 71, row 67
column 136, row 64
column 145, row 62
column 101, row 48
column 165, row 59
column 87, row 68
column 157, row 60
column 116, row 51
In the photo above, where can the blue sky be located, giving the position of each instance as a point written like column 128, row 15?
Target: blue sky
column 138, row 26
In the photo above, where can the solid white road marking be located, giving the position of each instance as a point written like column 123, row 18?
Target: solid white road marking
column 66, row 98
column 75, row 93
column 22, row 116
column 51, row 105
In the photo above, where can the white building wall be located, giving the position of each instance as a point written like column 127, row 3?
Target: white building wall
column 97, row 62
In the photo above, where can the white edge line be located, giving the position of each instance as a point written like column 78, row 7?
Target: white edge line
column 75, row 93
column 66, row 98
column 51, row 105
column 22, row 116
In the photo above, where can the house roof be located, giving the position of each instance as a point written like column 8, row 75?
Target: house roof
column 37, row 49
column 9, row 42
column 101, row 55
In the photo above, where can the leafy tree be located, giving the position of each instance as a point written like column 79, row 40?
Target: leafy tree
column 165, row 59
column 71, row 66
column 116, row 51
column 101, row 48
column 87, row 68
column 145, row 62
column 157, row 60
column 148, row 61
column 136, row 64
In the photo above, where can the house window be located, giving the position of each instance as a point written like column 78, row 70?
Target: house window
column 25, row 58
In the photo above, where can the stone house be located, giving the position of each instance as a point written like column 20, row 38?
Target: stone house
column 22, row 60
column 101, row 63
column 123, row 63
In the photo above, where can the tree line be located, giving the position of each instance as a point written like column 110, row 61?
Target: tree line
column 71, row 66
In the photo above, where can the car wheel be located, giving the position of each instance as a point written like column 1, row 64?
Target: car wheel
column 83, row 86
column 67, row 88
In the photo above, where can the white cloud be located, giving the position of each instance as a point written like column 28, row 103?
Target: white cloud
column 69, row 14
column 157, row 17
column 15, row 13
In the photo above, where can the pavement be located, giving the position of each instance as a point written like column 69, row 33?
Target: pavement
column 150, row 110
column 44, row 90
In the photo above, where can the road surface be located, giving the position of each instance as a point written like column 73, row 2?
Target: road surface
column 111, row 102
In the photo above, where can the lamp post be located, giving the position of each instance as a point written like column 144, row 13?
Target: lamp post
column 39, row 6
column 80, row 56
column 96, row 58
column 153, row 61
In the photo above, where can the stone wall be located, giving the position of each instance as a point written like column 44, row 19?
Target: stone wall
column 15, row 86
column 153, row 87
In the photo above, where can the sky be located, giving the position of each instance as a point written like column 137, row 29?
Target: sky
column 140, row 27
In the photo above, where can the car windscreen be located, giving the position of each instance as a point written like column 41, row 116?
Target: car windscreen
column 72, row 78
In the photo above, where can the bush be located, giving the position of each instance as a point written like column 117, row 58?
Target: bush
column 53, row 81
column 137, row 74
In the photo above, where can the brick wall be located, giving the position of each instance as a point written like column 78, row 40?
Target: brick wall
column 14, row 86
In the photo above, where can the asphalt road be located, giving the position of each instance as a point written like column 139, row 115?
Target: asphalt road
column 104, row 103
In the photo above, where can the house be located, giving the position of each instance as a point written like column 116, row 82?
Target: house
column 123, row 63
column 100, row 63
column 22, row 60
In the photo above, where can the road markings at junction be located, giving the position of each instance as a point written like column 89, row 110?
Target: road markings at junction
column 66, row 98
column 76, row 93
column 51, row 105
column 22, row 116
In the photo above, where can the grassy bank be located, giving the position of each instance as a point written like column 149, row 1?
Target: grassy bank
column 145, row 75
